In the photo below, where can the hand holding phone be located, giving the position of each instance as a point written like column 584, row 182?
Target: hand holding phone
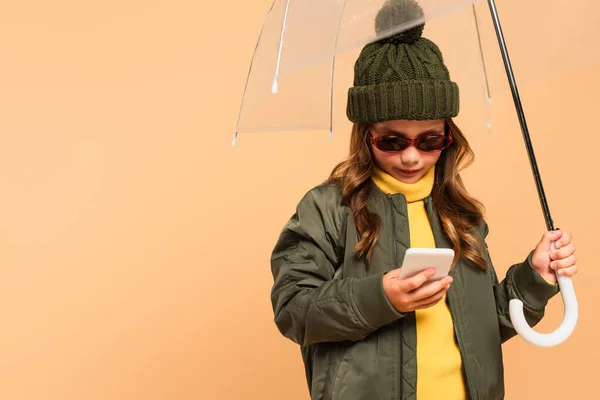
column 421, row 282
column 419, row 259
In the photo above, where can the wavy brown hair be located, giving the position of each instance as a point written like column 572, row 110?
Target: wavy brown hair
column 460, row 213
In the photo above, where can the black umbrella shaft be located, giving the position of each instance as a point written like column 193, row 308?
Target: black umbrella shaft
column 521, row 115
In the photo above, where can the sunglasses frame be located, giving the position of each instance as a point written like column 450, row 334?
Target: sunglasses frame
column 412, row 142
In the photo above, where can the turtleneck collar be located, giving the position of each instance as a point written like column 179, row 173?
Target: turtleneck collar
column 412, row 191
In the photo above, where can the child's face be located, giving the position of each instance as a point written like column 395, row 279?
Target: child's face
column 410, row 164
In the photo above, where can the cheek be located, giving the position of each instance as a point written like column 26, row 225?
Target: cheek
column 383, row 159
column 431, row 158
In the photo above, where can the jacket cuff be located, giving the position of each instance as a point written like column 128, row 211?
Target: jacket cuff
column 532, row 288
column 372, row 303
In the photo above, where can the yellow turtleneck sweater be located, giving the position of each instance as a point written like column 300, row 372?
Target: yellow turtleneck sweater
column 439, row 364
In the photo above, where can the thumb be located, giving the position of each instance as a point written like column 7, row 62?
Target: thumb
column 393, row 274
column 548, row 238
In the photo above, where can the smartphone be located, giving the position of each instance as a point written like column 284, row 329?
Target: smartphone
column 419, row 259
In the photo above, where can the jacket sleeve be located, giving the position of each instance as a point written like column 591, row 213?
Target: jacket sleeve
column 310, row 306
column 522, row 282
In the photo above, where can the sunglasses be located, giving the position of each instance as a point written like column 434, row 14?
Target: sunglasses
column 395, row 143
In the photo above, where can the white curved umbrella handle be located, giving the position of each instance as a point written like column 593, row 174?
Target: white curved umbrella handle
column 565, row 329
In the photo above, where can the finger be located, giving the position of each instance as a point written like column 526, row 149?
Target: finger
column 564, row 252
column 432, row 300
column 431, row 290
column 569, row 271
column 564, row 240
column 548, row 238
column 417, row 281
column 563, row 263
column 424, row 306
column 393, row 274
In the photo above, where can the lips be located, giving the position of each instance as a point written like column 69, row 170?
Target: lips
column 409, row 171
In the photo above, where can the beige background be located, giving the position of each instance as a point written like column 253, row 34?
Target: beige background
column 134, row 240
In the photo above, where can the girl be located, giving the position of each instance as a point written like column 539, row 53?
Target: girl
column 364, row 333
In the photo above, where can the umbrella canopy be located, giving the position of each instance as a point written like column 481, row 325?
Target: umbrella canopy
column 293, row 74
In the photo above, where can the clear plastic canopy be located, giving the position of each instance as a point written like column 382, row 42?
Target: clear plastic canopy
column 304, row 57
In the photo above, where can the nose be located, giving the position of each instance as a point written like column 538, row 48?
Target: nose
column 410, row 156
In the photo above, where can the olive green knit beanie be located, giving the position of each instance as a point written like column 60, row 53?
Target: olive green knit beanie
column 402, row 76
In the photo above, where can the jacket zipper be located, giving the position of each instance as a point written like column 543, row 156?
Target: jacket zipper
column 391, row 203
column 461, row 345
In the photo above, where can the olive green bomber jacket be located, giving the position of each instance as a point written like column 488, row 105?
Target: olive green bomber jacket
column 354, row 344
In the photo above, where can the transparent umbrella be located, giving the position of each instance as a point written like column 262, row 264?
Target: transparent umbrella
column 290, row 86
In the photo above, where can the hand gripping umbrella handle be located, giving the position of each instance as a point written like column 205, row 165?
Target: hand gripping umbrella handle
column 571, row 312
column 515, row 307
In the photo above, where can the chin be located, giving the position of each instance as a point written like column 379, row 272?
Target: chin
column 408, row 179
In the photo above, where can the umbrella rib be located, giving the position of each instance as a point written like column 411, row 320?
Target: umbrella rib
column 237, row 128
column 487, row 85
column 337, row 33
column 487, row 95
column 276, row 77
